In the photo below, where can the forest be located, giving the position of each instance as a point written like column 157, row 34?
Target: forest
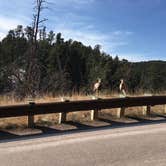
column 67, row 66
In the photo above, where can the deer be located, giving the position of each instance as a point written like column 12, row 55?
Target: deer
column 97, row 86
column 122, row 87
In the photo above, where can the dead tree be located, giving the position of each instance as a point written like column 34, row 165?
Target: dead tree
column 33, row 69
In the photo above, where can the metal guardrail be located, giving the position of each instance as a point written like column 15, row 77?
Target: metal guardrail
column 73, row 106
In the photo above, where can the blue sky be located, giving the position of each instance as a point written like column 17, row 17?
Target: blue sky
column 132, row 29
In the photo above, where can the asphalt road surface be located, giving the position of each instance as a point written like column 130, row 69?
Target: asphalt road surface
column 128, row 146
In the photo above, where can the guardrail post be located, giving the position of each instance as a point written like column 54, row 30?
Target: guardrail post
column 120, row 112
column 94, row 114
column 146, row 110
column 62, row 115
column 31, row 123
column 164, row 109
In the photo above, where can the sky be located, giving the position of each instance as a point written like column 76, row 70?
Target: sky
column 132, row 29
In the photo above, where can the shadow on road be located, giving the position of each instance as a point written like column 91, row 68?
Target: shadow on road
column 70, row 127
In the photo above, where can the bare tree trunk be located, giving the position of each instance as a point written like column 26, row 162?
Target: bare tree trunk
column 33, row 72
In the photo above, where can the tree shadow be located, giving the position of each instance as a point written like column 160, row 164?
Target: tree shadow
column 45, row 130
column 140, row 120
column 7, row 135
column 158, row 115
column 111, row 122
column 78, row 125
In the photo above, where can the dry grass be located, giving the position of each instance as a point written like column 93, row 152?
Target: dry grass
column 51, row 119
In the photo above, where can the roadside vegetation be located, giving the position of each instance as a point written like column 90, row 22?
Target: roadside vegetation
column 39, row 65
column 68, row 67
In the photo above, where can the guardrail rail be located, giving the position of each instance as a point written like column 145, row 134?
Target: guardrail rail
column 95, row 105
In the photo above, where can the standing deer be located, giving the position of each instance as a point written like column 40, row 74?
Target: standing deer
column 122, row 87
column 97, row 86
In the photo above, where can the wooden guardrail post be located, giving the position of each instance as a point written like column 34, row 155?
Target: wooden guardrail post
column 120, row 112
column 164, row 109
column 94, row 114
column 146, row 110
column 31, row 123
column 62, row 115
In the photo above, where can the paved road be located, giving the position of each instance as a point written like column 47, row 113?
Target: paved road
column 130, row 146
